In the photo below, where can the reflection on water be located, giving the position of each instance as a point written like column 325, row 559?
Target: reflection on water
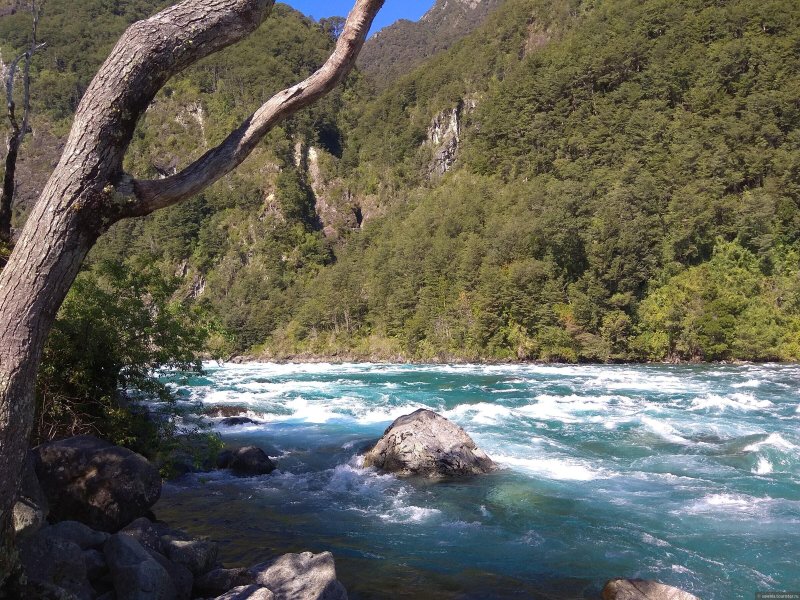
column 684, row 474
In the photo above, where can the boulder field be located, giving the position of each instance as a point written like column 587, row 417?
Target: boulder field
column 103, row 543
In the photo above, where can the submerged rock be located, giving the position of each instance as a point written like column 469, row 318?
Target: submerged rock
column 249, row 460
column 426, row 444
column 641, row 589
column 233, row 421
column 305, row 575
column 53, row 562
column 92, row 481
column 225, row 410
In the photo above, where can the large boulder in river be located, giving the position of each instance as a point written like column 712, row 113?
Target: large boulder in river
column 641, row 589
column 92, row 481
column 305, row 575
column 249, row 460
column 426, row 444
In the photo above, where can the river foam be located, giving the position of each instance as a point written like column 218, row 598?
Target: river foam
column 685, row 474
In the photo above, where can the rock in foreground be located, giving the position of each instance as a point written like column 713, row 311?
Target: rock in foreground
column 641, row 589
column 31, row 508
column 426, row 444
column 305, row 575
column 94, row 482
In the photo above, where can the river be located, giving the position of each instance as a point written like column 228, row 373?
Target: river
column 685, row 474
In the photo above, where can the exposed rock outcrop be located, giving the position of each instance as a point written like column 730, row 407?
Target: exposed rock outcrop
column 444, row 136
column 426, row 444
column 641, row 589
column 305, row 575
column 94, row 482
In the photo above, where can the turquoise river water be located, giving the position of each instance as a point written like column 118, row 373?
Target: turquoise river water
column 685, row 474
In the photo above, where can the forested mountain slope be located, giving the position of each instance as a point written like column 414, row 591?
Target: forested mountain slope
column 626, row 187
column 604, row 180
column 396, row 49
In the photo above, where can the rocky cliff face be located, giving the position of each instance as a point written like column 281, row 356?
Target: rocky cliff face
column 400, row 47
column 444, row 136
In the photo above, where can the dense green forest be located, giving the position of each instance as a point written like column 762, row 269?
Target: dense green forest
column 620, row 181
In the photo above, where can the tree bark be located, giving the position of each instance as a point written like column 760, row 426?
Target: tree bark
column 7, row 192
column 88, row 191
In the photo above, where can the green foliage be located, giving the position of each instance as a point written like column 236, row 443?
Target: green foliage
column 116, row 329
column 726, row 308
column 619, row 151
column 627, row 187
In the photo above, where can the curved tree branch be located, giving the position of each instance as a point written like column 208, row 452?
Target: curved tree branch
column 87, row 190
column 150, row 195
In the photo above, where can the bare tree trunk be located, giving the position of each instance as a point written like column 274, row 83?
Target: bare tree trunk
column 18, row 132
column 88, row 191
column 9, row 180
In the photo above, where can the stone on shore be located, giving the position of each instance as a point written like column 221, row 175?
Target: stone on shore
column 135, row 573
column 92, row 481
column 31, row 508
column 181, row 577
column 250, row 592
column 305, row 575
column 95, row 563
column 426, row 444
column 641, row 589
column 199, row 556
column 219, row 581
column 249, row 460
column 80, row 534
column 146, row 533
column 52, row 562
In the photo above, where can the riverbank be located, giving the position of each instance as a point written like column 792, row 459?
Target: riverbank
column 379, row 358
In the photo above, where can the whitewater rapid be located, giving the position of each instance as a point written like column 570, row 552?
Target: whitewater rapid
column 687, row 474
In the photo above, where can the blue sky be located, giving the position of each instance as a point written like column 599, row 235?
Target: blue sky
column 392, row 10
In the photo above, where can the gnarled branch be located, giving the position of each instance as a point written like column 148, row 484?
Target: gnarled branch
column 87, row 190
column 147, row 196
